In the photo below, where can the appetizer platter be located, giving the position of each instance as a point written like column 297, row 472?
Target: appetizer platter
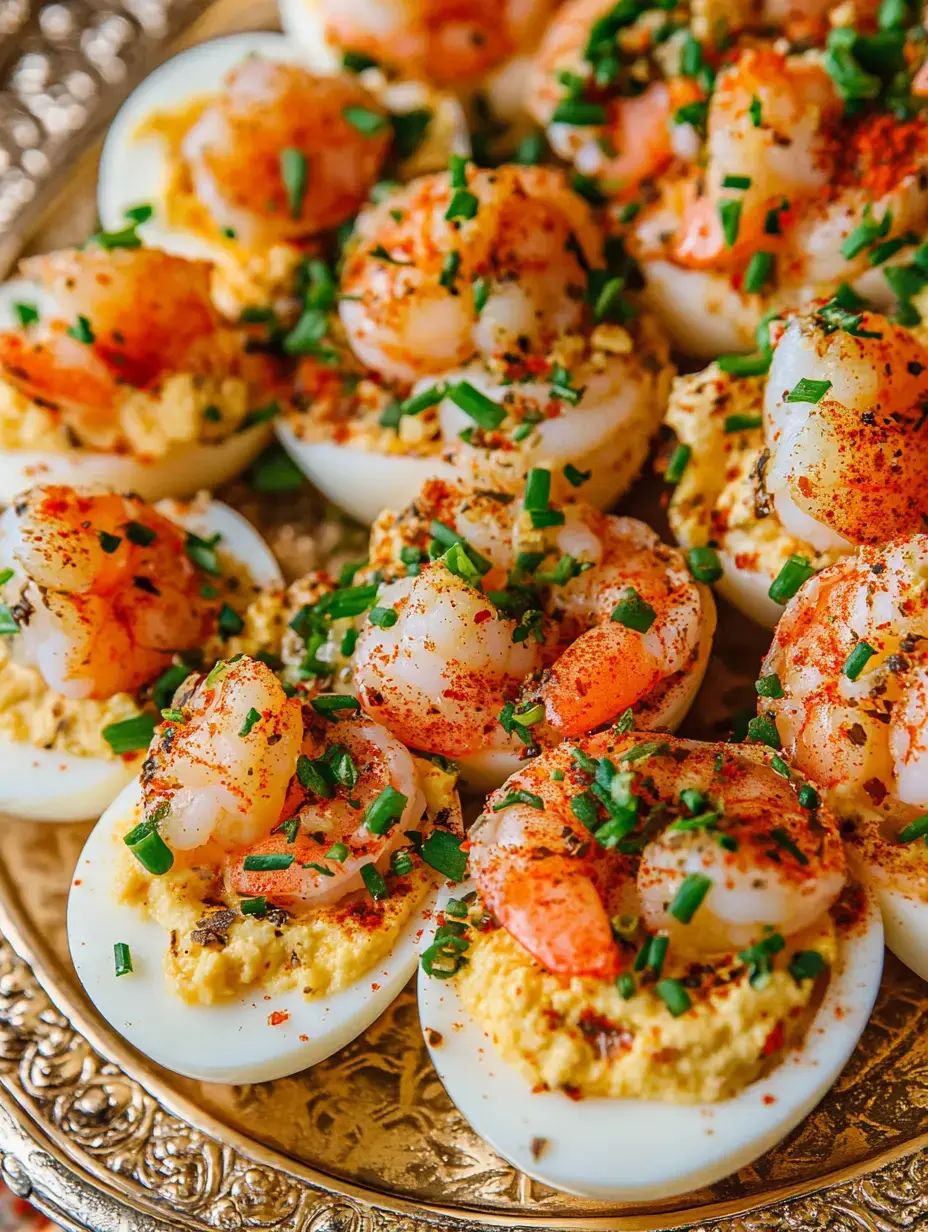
column 462, row 600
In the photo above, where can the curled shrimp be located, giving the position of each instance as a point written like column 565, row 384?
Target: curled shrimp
column 109, row 593
column 410, row 284
column 220, row 773
column 848, row 464
column 848, row 653
column 556, row 883
column 131, row 317
column 333, row 841
column 276, row 155
column 633, row 136
column 537, row 622
column 452, row 42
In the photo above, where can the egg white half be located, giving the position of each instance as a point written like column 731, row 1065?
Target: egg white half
column 360, row 481
column 232, row 1041
column 45, row 785
column 136, row 172
column 182, row 471
column 640, row 1150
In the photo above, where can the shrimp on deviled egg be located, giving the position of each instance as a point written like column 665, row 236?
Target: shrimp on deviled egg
column 106, row 603
column 794, row 194
column 782, row 473
column 250, row 158
column 495, row 339
column 126, row 376
column 506, row 625
column 846, row 685
column 636, row 900
column 275, row 858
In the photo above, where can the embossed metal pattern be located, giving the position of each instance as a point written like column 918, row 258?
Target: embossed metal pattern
column 368, row 1140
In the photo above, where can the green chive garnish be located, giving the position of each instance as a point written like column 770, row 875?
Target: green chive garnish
column 807, row 965
column 253, row 906
column 82, row 332
column 746, row 365
column 742, row 423
column 383, row 617
column 122, row 958
column 374, row 882
column 759, row 271
column 537, row 489
column 150, row 849
column 674, row 996
column 574, row 476
column 633, row 612
column 915, row 829
column 367, row 122
column 730, row 217
column 626, row 985
column 482, row 410
column 704, row 564
column 382, row 813
column 857, row 660
column 763, row 730
column 794, row 573
column 109, row 543
column 519, row 797
column 806, row 390
column 578, row 112
column 442, row 851
column 679, row 460
column 331, row 703
column 688, row 898
column 272, row 862
column 130, row 735
column 769, row 686
column 26, row 314
column 294, row 171
column 251, row 718
column 808, row 797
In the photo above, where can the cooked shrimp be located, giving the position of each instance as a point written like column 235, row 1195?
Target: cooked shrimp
column 328, row 835
column 452, row 42
column 220, row 773
column 631, row 135
column 848, row 464
column 277, row 156
column 556, row 882
column 525, row 243
column 109, row 594
column 790, row 181
column 130, row 318
column 600, row 425
column 849, row 654
column 572, row 624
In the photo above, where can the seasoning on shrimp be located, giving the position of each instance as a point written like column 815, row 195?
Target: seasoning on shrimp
column 644, row 900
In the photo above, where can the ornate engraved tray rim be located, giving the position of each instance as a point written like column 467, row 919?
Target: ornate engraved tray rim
column 75, row 1186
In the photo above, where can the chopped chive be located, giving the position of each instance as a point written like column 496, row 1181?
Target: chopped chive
column 754, row 111
column 294, row 172
column 794, row 573
column 251, row 718
column 401, row 863
column 150, row 849
column 374, row 882
column 482, row 410
column 314, row 776
column 707, row 820
column 442, row 851
column 5, row 575
column 383, row 617
column 82, row 332
column 349, row 641
column 574, row 476
column 759, row 959
column 736, row 181
column 674, row 996
column 783, row 841
column 806, row 390
column 866, row 234
column 142, row 536
column 26, row 314
column 464, row 204
column 109, row 543
column 704, row 564
column 689, row 896
column 382, row 814
column 808, row 797
column 449, row 270
column 330, row 703
column 652, row 953
column 857, row 660
column 763, row 730
column 130, row 735
column 409, row 129
column 271, row 862
column 229, row 622
column 679, row 460
column 730, row 218
column 123, row 958
column 653, row 748
column 537, row 489
column 915, row 829
column 625, row 983
column 692, row 113
column 745, row 365
column 807, row 965
column 519, row 797
column 203, row 552
column 338, row 852
column 742, row 423
column 633, row 612
column 693, row 799
column 769, row 686
column 275, row 471
column 423, row 401
column 481, row 289
column 608, row 297
column 542, row 518
column 253, row 906
column 367, row 122
column 173, row 715
column 578, row 112
column 759, row 272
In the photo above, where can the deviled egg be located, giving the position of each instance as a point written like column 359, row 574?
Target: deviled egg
column 255, row 901
column 692, row 974
column 782, row 472
column 107, row 604
column 115, row 369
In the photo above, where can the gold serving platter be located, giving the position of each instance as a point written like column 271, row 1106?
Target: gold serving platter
column 99, row 1137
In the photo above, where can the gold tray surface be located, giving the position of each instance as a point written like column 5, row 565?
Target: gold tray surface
column 103, row 1139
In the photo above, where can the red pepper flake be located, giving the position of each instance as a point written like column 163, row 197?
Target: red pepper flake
column 483, row 616
column 774, row 1041
column 276, row 1017
column 769, row 1099
column 304, row 1039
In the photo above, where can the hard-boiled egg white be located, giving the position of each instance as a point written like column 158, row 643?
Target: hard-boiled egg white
column 136, row 171
column 361, row 481
column 251, row 1038
column 183, row 470
column 45, row 785
column 640, row 1150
